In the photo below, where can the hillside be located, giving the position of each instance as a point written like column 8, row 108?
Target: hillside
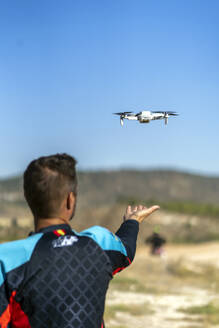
column 103, row 196
column 106, row 187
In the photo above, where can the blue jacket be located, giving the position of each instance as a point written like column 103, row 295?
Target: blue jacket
column 59, row 278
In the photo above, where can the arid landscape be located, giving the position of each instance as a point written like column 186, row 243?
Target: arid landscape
column 179, row 289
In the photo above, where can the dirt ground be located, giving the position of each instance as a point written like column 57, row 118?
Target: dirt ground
column 200, row 253
column 155, row 292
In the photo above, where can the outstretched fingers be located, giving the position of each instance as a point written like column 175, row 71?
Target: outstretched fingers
column 151, row 209
column 142, row 213
column 139, row 212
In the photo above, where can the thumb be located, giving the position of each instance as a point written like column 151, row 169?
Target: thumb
column 143, row 214
column 152, row 209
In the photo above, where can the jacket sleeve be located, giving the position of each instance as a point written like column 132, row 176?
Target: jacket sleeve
column 12, row 256
column 119, row 247
column 5, row 311
column 128, row 233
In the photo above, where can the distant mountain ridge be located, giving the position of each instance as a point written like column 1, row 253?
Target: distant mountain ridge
column 106, row 187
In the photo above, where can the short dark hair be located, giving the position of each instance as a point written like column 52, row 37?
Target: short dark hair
column 47, row 180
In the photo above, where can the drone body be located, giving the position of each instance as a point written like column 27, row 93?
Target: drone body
column 145, row 116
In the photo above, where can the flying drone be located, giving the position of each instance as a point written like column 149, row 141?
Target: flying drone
column 146, row 116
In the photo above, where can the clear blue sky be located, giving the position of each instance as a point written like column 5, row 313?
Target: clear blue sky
column 66, row 66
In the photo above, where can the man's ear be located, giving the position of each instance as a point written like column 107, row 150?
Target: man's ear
column 70, row 201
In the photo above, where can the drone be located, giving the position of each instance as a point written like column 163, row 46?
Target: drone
column 145, row 116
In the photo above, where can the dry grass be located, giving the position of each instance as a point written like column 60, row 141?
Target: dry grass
column 209, row 313
column 127, row 284
column 132, row 309
column 202, row 275
column 172, row 285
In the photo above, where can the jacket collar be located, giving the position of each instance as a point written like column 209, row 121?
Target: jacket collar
column 52, row 228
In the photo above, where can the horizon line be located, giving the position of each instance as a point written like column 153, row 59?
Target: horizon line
column 130, row 168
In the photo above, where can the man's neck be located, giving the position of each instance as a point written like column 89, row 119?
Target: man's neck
column 41, row 223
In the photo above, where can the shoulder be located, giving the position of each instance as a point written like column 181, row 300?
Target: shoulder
column 15, row 253
column 15, row 248
column 104, row 238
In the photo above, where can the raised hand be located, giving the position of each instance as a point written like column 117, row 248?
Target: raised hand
column 139, row 213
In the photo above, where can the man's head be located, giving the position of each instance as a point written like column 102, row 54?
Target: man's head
column 50, row 186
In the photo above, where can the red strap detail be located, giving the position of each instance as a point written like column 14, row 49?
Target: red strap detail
column 18, row 318
column 14, row 314
column 121, row 268
column 5, row 318
column 118, row 270
column 127, row 258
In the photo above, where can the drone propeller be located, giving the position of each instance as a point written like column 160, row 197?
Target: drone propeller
column 172, row 113
column 167, row 113
column 122, row 116
column 122, row 113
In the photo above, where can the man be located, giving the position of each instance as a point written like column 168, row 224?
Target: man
column 57, row 277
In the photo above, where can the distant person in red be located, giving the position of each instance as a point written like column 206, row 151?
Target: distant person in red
column 156, row 241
